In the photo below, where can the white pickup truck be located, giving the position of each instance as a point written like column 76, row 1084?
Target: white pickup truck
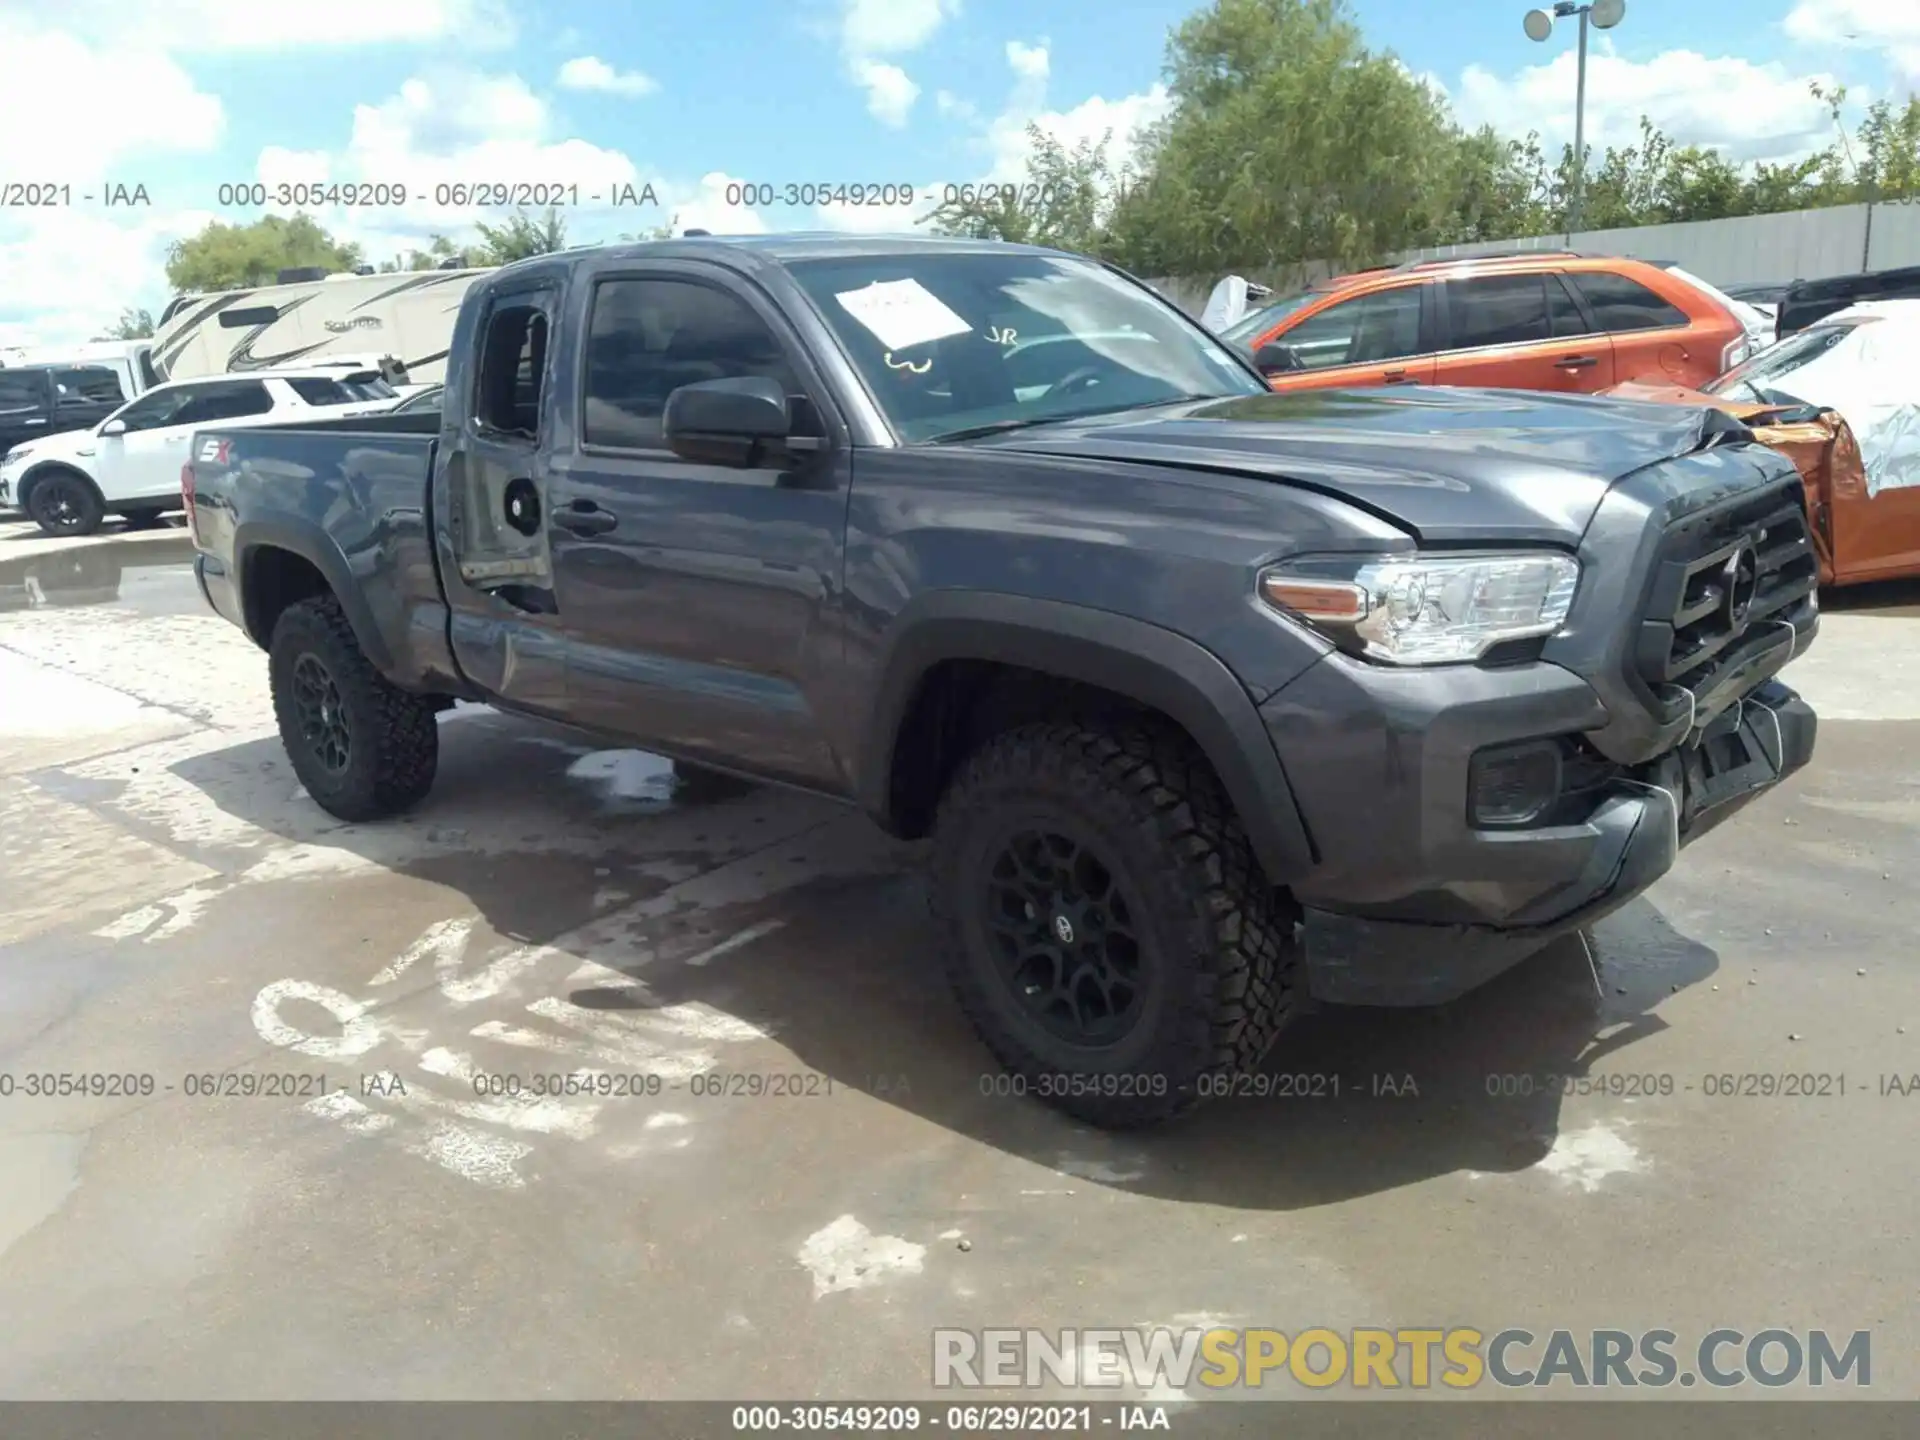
column 129, row 463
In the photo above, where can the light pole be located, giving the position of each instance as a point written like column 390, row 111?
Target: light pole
column 1605, row 14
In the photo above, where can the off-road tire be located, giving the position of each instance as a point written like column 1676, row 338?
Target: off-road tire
column 85, row 510
column 394, row 741
column 1218, row 938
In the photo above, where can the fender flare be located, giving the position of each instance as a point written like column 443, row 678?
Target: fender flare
column 314, row 545
column 1146, row 663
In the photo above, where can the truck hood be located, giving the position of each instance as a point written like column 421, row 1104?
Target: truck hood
column 1513, row 466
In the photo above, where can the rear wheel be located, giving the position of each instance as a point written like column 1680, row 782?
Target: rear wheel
column 65, row 503
column 1105, row 924
column 363, row 749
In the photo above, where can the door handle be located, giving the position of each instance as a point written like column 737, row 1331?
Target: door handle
column 583, row 517
column 1575, row 362
column 1397, row 377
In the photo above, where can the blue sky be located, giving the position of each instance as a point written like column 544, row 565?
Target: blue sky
column 691, row 97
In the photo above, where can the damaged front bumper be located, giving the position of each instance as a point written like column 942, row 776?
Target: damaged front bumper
column 1426, row 945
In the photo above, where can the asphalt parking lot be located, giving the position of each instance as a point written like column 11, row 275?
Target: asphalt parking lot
column 173, row 910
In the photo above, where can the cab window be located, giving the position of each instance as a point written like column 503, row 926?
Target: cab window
column 513, row 363
column 647, row 338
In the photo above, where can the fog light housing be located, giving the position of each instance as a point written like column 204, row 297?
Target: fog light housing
column 1509, row 785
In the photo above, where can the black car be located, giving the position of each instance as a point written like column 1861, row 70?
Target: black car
column 40, row 400
column 1810, row 301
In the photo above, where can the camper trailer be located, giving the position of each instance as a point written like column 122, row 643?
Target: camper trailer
column 408, row 316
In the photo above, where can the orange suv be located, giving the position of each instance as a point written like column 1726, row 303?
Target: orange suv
column 1544, row 320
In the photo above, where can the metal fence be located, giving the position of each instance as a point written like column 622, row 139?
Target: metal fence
column 1798, row 245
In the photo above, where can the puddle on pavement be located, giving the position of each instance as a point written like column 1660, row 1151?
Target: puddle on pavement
column 37, row 1174
column 637, row 782
column 153, row 575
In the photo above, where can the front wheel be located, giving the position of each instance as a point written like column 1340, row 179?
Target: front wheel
column 65, row 503
column 1105, row 923
column 363, row 748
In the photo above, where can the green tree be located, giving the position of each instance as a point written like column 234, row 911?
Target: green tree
column 1063, row 201
column 132, row 325
column 521, row 235
column 1289, row 140
column 230, row 257
column 439, row 251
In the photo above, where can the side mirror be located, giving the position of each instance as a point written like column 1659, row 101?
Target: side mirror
column 725, row 422
column 1274, row 358
column 114, row 427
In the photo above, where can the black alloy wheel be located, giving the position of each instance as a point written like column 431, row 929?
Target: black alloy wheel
column 1064, row 935
column 322, row 717
column 64, row 504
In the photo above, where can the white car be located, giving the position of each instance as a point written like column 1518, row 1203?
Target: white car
column 129, row 464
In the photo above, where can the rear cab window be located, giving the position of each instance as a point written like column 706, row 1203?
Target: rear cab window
column 88, row 385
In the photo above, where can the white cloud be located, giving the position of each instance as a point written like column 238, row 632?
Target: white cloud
column 890, row 92
column 1004, row 145
column 450, row 112
column 873, row 29
column 892, row 27
column 1029, row 62
column 1748, row 111
column 70, row 273
column 66, row 272
column 465, row 146
column 590, row 72
column 1008, row 145
column 45, row 135
column 197, row 26
column 1889, row 25
column 706, row 207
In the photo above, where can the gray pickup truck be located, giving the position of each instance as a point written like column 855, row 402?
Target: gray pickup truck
column 1211, row 699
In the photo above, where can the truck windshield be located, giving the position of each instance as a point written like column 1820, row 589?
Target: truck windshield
column 952, row 342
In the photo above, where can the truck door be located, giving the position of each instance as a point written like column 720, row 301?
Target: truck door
column 491, row 500
column 697, row 596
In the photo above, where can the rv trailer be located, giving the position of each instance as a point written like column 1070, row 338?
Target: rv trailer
column 408, row 315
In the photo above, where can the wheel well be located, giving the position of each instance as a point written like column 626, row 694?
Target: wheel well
column 275, row 579
column 958, row 705
column 46, row 472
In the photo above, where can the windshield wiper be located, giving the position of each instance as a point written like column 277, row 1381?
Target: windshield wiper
column 994, row 427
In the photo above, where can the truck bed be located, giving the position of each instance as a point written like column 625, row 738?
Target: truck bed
column 350, row 499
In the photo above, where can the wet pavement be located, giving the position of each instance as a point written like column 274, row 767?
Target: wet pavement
column 314, row 1178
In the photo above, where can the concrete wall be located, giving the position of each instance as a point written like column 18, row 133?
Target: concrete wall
column 1799, row 245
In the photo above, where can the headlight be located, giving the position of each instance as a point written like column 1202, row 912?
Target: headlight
column 1420, row 609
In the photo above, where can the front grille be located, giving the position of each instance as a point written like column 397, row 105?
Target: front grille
column 1733, row 585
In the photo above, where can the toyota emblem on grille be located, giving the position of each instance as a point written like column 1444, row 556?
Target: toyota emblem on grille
column 1740, row 580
